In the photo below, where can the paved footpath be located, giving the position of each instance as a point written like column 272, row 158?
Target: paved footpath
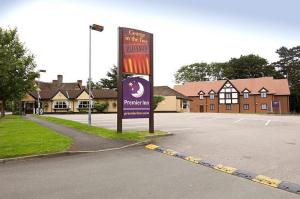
column 82, row 141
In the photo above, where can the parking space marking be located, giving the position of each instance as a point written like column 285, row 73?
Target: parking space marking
column 267, row 123
column 237, row 121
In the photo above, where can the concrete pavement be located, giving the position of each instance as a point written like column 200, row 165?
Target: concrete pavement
column 264, row 144
column 130, row 173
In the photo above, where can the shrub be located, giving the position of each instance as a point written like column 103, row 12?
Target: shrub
column 100, row 107
column 157, row 100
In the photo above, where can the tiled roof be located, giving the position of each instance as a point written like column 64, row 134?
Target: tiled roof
column 167, row 91
column 104, row 94
column 254, row 85
column 48, row 91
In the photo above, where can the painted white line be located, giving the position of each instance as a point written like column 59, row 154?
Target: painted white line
column 267, row 123
column 214, row 118
column 237, row 121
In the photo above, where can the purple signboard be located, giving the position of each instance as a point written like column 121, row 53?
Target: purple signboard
column 136, row 98
column 275, row 104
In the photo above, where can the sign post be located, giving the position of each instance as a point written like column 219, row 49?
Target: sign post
column 135, row 95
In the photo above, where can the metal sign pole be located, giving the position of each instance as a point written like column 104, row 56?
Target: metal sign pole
column 151, row 116
column 120, row 79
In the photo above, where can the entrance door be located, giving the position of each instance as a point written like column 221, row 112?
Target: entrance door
column 29, row 108
column 201, row 108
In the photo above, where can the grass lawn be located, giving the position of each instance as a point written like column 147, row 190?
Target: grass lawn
column 107, row 133
column 21, row 137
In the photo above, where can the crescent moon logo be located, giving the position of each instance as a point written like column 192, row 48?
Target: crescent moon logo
column 139, row 93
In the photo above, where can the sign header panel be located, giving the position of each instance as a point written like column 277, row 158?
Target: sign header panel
column 136, row 51
column 136, row 98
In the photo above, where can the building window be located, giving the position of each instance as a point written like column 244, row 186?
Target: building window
column 212, row 107
column 201, row 96
column 228, row 106
column 264, row 107
column 60, row 105
column 83, row 104
column 246, row 95
column 184, row 104
column 246, row 106
column 263, row 94
column 212, row 96
column 228, row 94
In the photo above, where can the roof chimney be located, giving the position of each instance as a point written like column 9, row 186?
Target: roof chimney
column 59, row 79
column 79, row 82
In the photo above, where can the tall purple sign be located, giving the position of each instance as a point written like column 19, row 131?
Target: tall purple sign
column 136, row 98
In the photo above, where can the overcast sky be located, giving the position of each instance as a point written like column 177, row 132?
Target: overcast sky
column 56, row 31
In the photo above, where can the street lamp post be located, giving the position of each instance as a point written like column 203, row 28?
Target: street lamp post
column 38, row 91
column 99, row 29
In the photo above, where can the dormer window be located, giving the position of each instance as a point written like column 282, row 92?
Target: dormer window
column 246, row 94
column 263, row 93
column 201, row 95
column 212, row 95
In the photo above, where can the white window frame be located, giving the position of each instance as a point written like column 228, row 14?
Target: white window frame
column 246, row 95
column 212, row 107
column 80, row 106
column 228, row 95
column 61, row 105
column 263, row 94
column 246, row 105
column 264, row 106
column 201, row 96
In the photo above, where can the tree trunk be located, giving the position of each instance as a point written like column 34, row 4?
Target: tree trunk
column 3, row 108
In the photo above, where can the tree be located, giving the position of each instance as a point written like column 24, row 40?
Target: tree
column 289, row 64
column 156, row 100
column 94, row 85
column 289, row 67
column 193, row 72
column 111, row 81
column 16, row 68
column 248, row 66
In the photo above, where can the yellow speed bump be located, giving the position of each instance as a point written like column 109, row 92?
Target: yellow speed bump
column 169, row 152
column 151, row 146
column 273, row 182
column 193, row 159
column 225, row 169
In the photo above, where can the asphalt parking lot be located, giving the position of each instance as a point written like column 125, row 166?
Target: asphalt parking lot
column 264, row 144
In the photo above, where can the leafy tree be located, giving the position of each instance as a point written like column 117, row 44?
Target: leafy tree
column 248, row 66
column 193, row 72
column 94, row 85
column 16, row 68
column 289, row 67
column 100, row 107
column 111, row 81
column 216, row 70
column 289, row 64
column 157, row 99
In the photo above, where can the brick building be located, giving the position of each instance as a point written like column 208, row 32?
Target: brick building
column 256, row 95
column 60, row 97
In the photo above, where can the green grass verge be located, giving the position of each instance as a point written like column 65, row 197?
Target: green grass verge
column 106, row 133
column 21, row 137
